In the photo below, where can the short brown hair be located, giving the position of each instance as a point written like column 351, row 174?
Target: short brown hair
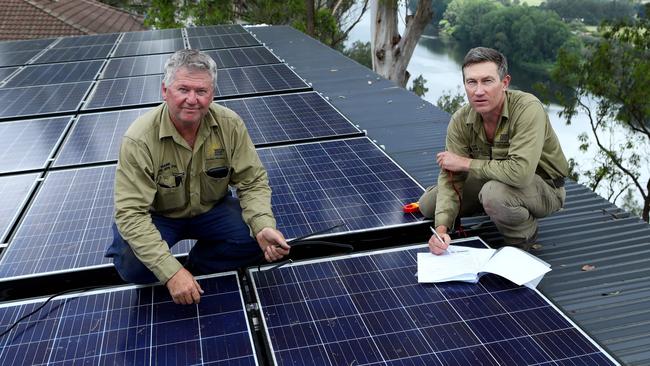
column 479, row 55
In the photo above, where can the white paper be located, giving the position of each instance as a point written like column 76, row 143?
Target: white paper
column 468, row 264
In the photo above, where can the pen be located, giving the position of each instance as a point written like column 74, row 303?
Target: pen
column 436, row 234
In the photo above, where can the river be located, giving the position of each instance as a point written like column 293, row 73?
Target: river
column 441, row 65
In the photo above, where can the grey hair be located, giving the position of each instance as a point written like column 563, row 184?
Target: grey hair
column 194, row 60
column 478, row 55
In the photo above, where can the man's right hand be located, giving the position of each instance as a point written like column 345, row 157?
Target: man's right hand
column 435, row 245
column 183, row 288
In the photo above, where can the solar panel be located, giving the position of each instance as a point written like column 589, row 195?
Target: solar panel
column 14, row 191
column 238, row 57
column 74, row 54
column 55, row 73
column 25, row 45
column 35, row 100
column 151, row 35
column 17, row 58
column 243, row 81
column 130, row 325
column 91, row 40
column 273, row 119
column 135, row 66
column 149, row 47
column 68, row 225
column 215, row 30
column 224, row 41
column 318, row 185
column 96, row 137
column 27, row 145
column 6, row 71
column 290, row 117
column 369, row 309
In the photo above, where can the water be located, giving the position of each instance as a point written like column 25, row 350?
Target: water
column 441, row 66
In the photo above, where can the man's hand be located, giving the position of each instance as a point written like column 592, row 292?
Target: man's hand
column 273, row 244
column 184, row 288
column 436, row 246
column 452, row 162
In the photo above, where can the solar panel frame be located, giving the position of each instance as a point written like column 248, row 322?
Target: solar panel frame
column 214, row 30
column 135, row 66
column 148, row 47
column 47, row 74
column 367, row 308
column 243, row 81
column 236, row 40
column 66, row 54
column 5, row 72
column 42, row 99
column 29, row 144
column 133, row 325
column 14, row 194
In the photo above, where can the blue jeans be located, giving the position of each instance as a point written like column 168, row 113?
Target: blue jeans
column 223, row 243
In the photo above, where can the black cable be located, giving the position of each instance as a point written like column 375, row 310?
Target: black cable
column 345, row 248
column 82, row 289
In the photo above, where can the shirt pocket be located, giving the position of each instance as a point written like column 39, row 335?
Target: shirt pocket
column 500, row 153
column 170, row 192
column 214, row 188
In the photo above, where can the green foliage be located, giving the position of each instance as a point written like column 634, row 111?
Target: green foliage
column 419, row 86
column 525, row 34
column 608, row 81
column 449, row 102
column 275, row 12
column 592, row 12
column 162, row 14
column 360, row 52
column 208, row 12
column 326, row 28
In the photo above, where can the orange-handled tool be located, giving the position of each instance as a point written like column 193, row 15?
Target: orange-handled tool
column 411, row 207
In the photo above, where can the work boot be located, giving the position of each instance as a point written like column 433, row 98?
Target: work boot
column 527, row 244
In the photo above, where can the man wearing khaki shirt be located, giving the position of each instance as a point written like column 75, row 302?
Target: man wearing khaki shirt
column 502, row 157
column 175, row 165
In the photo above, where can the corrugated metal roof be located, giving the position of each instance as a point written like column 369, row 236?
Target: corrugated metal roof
column 610, row 302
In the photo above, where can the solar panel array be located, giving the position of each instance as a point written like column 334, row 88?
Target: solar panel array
column 132, row 326
column 369, row 309
column 66, row 104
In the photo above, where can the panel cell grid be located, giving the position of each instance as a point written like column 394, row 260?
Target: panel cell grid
column 17, row 58
column 135, row 66
column 290, row 117
column 25, row 45
column 36, row 100
column 55, row 74
column 27, row 145
column 238, row 57
column 152, row 35
column 148, row 47
column 215, row 30
column 96, row 137
column 145, row 90
column 74, row 54
column 6, row 71
column 318, row 185
column 369, row 309
column 68, row 226
column 14, row 191
column 84, row 41
column 224, row 41
column 132, row 326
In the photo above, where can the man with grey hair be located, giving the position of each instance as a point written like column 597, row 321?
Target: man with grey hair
column 502, row 157
column 175, row 166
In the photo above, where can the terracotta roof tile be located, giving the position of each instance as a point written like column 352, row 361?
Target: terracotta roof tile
column 24, row 19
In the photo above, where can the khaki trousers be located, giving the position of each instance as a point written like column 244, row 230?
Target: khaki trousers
column 514, row 211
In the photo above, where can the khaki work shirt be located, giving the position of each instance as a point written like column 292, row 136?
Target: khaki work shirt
column 524, row 145
column 157, row 172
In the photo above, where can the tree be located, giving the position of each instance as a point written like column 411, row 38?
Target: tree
column 419, row 86
column 608, row 81
column 449, row 102
column 360, row 52
column 391, row 52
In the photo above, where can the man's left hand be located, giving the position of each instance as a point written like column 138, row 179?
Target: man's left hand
column 454, row 163
column 273, row 244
